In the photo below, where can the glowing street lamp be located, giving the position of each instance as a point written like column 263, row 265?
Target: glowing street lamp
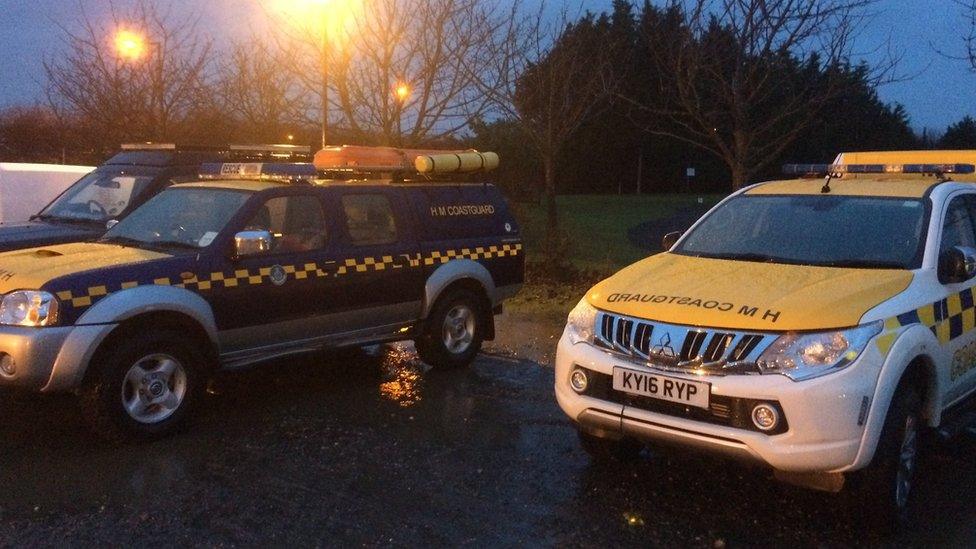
column 133, row 47
column 130, row 45
column 328, row 20
column 402, row 92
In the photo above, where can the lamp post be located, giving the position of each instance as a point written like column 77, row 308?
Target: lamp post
column 325, row 78
column 323, row 21
column 132, row 47
column 401, row 92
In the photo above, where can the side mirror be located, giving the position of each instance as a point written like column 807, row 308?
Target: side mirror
column 111, row 223
column 957, row 264
column 670, row 239
column 251, row 242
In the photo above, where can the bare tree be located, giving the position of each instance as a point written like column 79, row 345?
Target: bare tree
column 34, row 134
column 551, row 76
column 969, row 39
column 254, row 91
column 397, row 72
column 745, row 78
column 149, row 94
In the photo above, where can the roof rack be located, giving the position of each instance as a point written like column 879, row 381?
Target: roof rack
column 285, row 151
column 823, row 170
column 351, row 163
column 242, row 152
column 150, row 146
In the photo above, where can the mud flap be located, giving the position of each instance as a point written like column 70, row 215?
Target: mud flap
column 825, row 482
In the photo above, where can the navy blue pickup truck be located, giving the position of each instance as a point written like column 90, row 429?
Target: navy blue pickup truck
column 246, row 266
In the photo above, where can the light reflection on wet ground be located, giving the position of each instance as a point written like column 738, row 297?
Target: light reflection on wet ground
column 403, row 374
column 374, row 448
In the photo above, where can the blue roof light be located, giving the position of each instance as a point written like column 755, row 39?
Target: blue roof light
column 938, row 168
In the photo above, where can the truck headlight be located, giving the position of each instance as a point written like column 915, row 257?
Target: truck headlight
column 581, row 323
column 806, row 355
column 29, row 308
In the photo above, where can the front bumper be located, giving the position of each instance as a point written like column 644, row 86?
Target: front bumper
column 48, row 359
column 825, row 415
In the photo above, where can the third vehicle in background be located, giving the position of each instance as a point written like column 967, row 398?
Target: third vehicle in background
column 27, row 188
column 121, row 184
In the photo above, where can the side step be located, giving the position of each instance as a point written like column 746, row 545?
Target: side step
column 958, row 420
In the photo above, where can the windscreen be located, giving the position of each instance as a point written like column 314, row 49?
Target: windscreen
column 179, row 217
column 827, row 230
column 99, row 196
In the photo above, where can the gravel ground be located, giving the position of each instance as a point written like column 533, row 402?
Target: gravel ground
column 370, row 448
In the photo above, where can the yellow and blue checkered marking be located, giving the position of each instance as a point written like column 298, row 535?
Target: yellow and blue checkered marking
column 300, row 271
column 947, row 318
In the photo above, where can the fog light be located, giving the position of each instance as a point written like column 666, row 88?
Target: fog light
column 765, row 417
column 579, row 380
column 7, row 365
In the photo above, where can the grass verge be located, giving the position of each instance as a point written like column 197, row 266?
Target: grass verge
column 595, row 229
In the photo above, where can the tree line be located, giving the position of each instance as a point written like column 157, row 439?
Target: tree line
column 699, row 95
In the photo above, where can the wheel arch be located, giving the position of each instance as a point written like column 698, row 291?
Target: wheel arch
column 463, row 274
column 456, row 273
column 127, row 304
column 143, row 307
column 914, row 357
column 155, row 320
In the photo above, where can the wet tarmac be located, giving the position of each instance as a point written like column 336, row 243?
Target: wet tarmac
column 371, row 448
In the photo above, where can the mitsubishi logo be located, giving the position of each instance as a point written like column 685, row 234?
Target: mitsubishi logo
column 663, row 347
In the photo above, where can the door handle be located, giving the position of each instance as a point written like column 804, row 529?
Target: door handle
column 329, row 268
column 402, row 260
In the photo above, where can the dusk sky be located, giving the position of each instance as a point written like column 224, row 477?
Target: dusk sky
column 941, row 92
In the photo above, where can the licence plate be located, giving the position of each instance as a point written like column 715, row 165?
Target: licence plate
column 672, row 389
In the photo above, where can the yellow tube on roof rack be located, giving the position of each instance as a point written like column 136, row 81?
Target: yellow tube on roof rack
column 465, row 162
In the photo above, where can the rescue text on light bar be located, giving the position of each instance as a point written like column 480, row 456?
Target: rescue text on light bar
column 824, row 169
column 257, row 170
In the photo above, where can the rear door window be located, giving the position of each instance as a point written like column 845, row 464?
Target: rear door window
column 369, row 219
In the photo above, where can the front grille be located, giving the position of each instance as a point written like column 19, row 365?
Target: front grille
column 723, row 410
column 676, row 347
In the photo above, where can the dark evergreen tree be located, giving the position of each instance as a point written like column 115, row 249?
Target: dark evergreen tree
column 961, row 135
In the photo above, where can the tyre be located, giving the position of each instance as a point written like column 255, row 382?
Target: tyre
column 454, row 330
column 885, row 487
column 145, row 388
column 607, row 450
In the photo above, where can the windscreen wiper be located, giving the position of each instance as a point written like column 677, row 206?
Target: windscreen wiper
column 63, row 219
column 864, row 263
column 175, row 244
column 124, row 241
column 754, row 257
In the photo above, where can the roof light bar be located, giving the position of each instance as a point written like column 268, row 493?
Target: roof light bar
column 265, row 171
column 825, row 169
